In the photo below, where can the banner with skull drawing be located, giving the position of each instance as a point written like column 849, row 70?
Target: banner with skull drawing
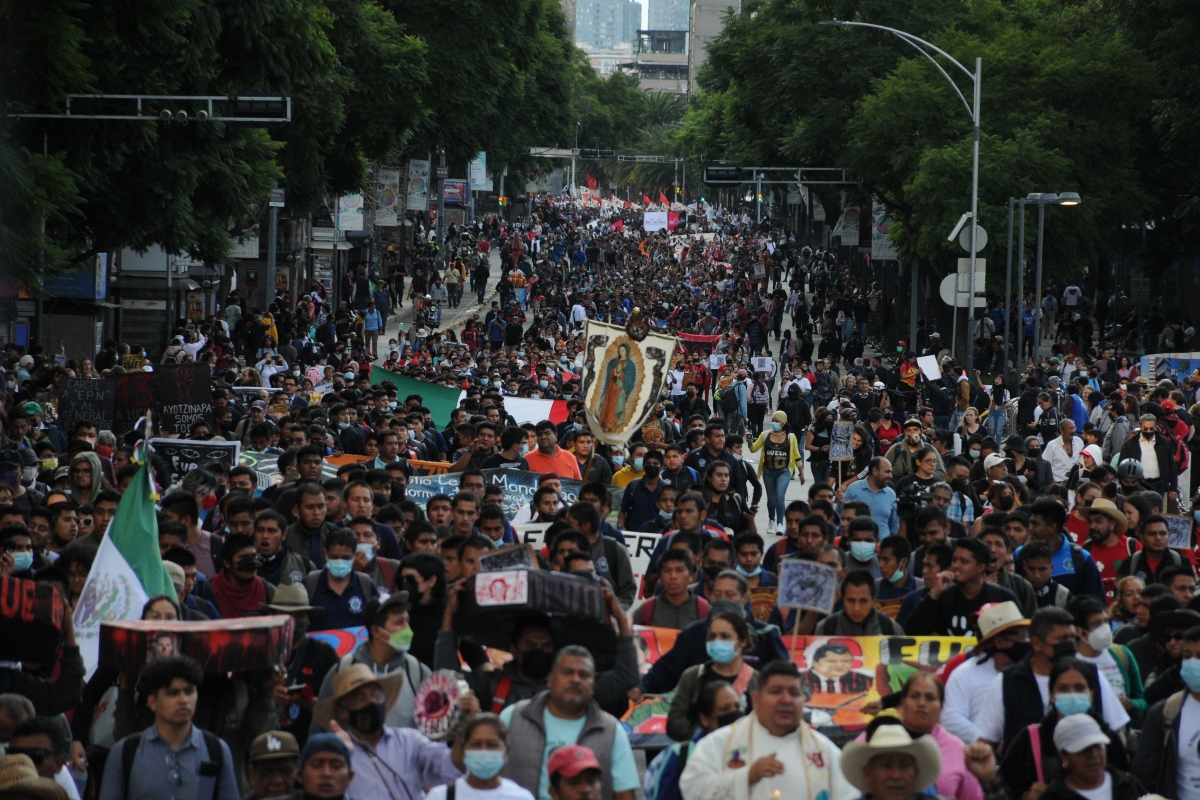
column 624, row 370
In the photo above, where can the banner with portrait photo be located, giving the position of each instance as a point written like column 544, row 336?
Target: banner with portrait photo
column 622, row 379
column 842, row 673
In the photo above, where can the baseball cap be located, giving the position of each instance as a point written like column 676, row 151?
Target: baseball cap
column 1078, row 732
column 571, row 760
column 259, row 404
column 274, row 745
column 178, row 577
column 994, row 460
column 912, row 422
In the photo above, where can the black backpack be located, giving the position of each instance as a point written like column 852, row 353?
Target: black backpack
column 728, row 400
column 216, row 757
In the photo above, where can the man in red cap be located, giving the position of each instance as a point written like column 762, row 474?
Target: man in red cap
column 574, row 774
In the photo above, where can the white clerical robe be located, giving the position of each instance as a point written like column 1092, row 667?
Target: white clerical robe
column 719, row 765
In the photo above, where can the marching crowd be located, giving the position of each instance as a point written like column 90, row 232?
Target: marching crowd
column 1044, row 521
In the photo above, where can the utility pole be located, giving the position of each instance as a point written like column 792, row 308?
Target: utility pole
column 441, row 214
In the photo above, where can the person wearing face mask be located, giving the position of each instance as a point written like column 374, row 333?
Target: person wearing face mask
column 639, row 503
column 717, row 704
column 1011, row 710
column 1166, row 761
column 482, row 743
column 1115, row 662
column 1003, row 640
column 238, row 589
column 1031, row 762
column 1156, row 454
column 384, row 653
column 633, row 466
column 727, row 641
column 336, row 587
column 905, row 451
column 309, row 660
column 387, row 761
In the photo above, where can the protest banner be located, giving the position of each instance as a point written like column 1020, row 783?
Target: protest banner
column 518, row 486
column 31, row 616
column 638, row 545
column 84, row 400
column 185, row 455
column 219, row 645
column 844, row 674
column 183, row 397
column 1179, row 531
column 763, row 364
column 807, row 584
column 929, row 367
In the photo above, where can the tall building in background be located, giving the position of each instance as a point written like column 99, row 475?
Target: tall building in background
column 605, row 24
column 568, row 7
column 707, row 21
column 669, row 15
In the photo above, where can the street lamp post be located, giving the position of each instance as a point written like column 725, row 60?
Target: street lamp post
column 925, row 48
column 1042, row 199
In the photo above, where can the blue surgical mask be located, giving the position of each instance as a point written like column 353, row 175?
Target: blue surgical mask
column 618, row 460
column 776, row 426
column 720, row 651
column 339, row 567
column 637, row 463
column 665, row 515
column 411, row 434
column 484, row 381
column 748, row 573
column 543, row 384
column 343, row 425
column 1071, row 703
column 366, row 549
column 483, row 764
column 1196, row 516
column 898, row 576
column 862, row 551
column 22, row 561
column 525, row 449
column 1190, row 672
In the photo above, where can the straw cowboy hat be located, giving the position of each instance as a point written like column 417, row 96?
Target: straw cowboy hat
column 996, row 618
column 19, row 778
column 1102, row 505
column 291, row 598
column 892, row 739
column 355, row 677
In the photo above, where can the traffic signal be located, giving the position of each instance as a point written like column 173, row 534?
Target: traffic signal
column 760, row 197
column 502, row 200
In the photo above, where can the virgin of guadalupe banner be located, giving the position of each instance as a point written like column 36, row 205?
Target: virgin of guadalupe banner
column 623, row 377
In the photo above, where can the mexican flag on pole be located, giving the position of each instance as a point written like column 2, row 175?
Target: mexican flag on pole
column 128, row 569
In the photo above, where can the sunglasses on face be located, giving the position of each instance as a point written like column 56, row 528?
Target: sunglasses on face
column 36, row 754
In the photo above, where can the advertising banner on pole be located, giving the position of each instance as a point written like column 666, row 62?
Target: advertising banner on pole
column 350, row 212
column 478, row 175
column 881, row 227
column 418, row 185
column 387, row 206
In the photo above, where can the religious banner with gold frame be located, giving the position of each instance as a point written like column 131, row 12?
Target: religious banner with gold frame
column 624, row 371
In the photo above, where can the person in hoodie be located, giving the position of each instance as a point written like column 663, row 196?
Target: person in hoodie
column 87, row 477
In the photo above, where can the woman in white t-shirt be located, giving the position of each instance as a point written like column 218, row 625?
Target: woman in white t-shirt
column 484, row 753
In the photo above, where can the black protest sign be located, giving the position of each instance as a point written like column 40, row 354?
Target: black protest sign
column 184, row 397
column 31, row 616
column 133, row 395
column 83, row 400
column 185, row 455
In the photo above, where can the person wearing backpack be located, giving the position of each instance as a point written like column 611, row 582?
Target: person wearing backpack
column 385, row 652
column 336, row 588
column 1158, row 762
column 171, row 758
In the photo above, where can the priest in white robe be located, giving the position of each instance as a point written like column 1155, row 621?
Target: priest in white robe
column 772, row 754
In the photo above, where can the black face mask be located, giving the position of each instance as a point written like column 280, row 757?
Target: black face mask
column 1064, row 650
column 1147, row 435
column 652, row 471
column 247, row 563
column 369, row 719
column 410, row 586
column 1004, row 503
column 1015, row 651
column 711, row 573
column 728, row 719
column 536, row 663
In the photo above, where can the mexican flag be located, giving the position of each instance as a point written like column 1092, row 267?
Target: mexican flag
column 128, row 569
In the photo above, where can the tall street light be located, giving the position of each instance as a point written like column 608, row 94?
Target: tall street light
column 929, row 50
column 1041, row 200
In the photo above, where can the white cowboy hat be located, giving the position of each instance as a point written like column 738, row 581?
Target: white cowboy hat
column 892, row 739
column 996, row 618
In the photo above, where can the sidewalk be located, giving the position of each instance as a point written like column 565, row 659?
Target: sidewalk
column 452, row 318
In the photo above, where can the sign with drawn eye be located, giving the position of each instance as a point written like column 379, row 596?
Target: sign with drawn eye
column 185, row 455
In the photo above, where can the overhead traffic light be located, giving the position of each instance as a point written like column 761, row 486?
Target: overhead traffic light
column 502, row 200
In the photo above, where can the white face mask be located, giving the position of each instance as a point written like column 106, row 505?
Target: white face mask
column 1100, row 638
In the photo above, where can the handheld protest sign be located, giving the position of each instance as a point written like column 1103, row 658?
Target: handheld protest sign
column 806, row 584
column 841, row 442
column 435, row 708
column 31, row 617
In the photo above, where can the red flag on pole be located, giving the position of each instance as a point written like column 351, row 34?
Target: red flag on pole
column 591, row 183
column 628, row 204
column 662, row 198
column 645, row 199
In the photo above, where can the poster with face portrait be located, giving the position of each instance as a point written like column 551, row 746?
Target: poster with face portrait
column 623, row 378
